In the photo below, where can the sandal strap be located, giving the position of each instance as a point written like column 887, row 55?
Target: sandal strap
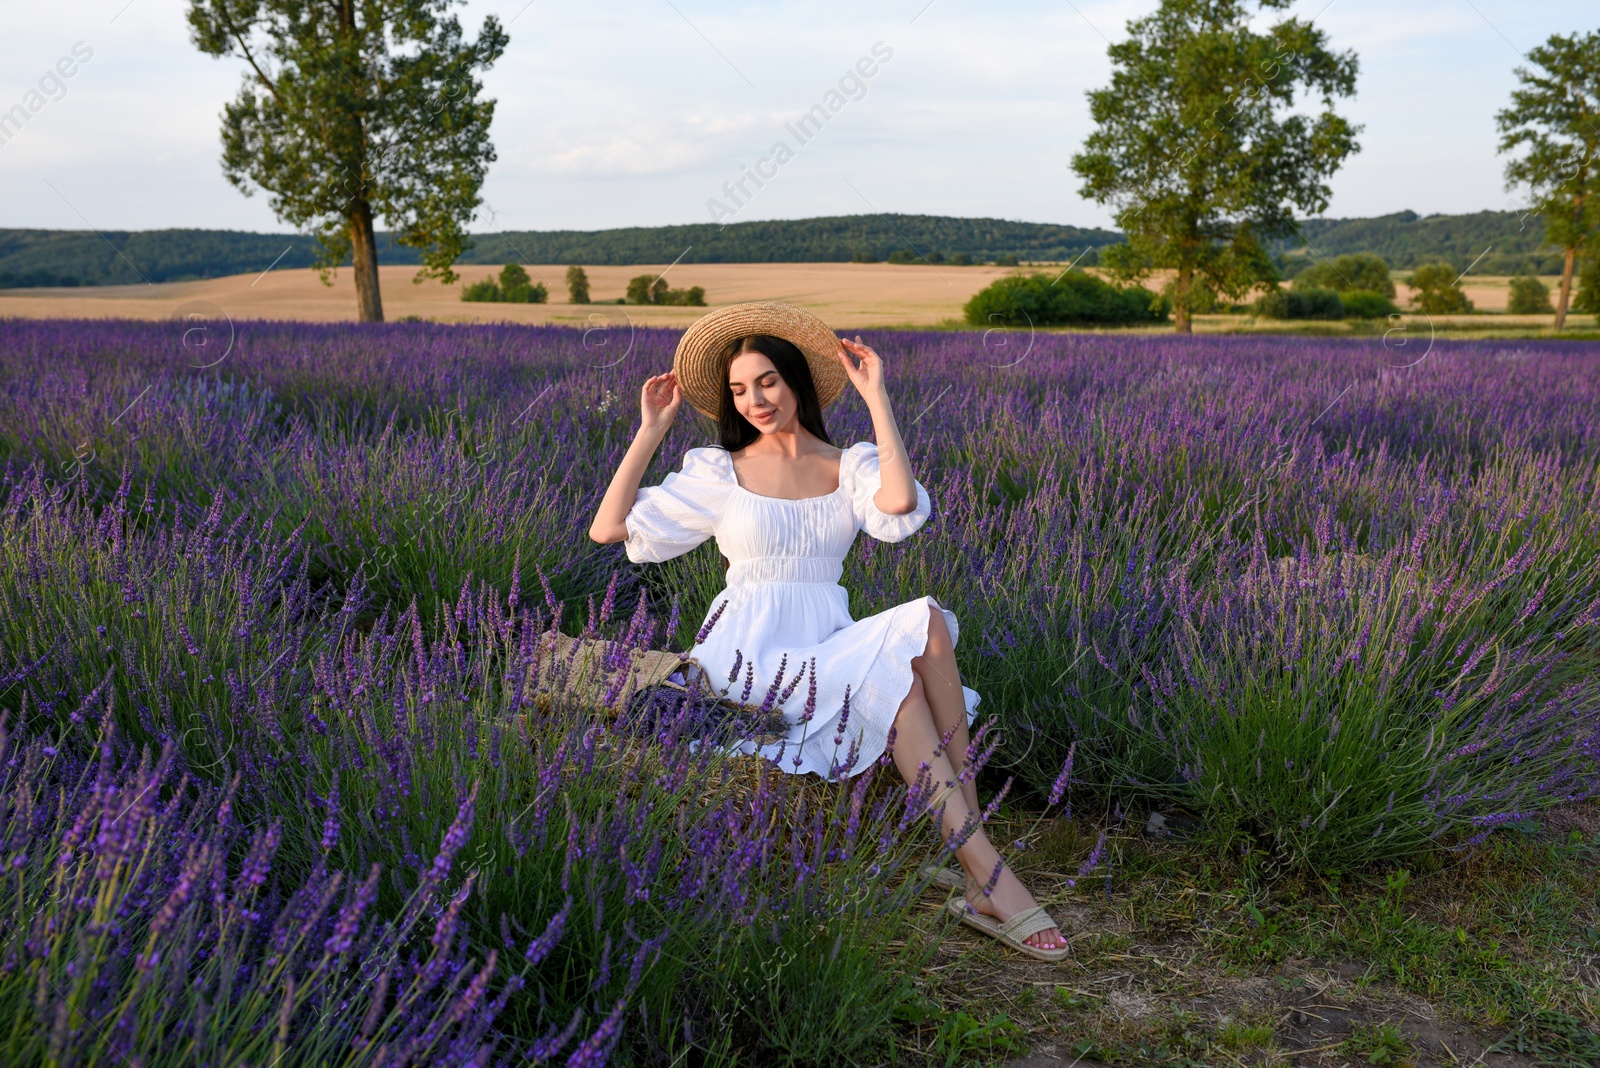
column 1027, row 922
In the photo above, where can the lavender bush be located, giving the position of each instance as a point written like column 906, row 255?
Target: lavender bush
column 1339, row 596
column 146, row 923
column 625, row 876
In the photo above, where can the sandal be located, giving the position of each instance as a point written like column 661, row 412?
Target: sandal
column 1013, row 931
column 949, row 878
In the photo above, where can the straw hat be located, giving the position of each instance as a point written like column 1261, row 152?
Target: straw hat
column 701, row 362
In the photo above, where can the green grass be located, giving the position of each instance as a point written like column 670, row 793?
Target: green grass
column 1493, row 937
column 1378, row 1044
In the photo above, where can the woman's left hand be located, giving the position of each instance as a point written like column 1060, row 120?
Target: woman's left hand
column 868, row 377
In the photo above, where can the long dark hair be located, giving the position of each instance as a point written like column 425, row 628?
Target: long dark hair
column 734, row 430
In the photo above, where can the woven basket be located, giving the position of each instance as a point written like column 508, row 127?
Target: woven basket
column 589, row 679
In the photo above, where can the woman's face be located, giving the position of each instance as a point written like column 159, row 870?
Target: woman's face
column 760, row 394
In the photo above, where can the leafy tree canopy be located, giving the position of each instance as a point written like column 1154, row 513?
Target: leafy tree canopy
column 1074, row 296
column 351, row 110
column 577, row 285
column 1438, row 290
column 1529, row 296
column 1195, row 146
column 1588, row 297
column 1347, row 274
column 1553, row 121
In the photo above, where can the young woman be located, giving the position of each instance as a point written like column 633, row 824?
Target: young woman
column 785, row 505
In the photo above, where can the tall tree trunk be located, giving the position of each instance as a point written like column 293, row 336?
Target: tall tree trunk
column 1570, row 264
column 364, row 259
column 1180, row 301
column 1566, row 287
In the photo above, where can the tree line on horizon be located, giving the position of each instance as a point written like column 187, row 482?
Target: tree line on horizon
column 47, row 257
column 1404, row 240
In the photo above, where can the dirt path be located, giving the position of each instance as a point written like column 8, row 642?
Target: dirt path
column 1166, row 999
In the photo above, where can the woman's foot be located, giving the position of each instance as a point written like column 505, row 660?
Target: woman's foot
column 1008, row 898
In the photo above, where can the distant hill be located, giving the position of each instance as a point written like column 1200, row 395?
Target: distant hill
column 823, row 240
column 82, row 258
column 1507, row 241
column 120, row 257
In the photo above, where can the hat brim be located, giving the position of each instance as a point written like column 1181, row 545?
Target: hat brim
column 700, row 364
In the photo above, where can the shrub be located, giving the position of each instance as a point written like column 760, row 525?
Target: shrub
column 577, row 285
column 1438, row 291
column 514, row 287
column 1364, row 304
column 1273, row 304
column 1007, row 260
column 1587, row 298
column 961, row 259
column 212, row 940
column 643, row 290
column 904, row 255
column 1306, row 303
column 620, row 868
column 517, row 288
column 863, row 256
column 1314, row 304
column 1073, row 297
column 1342, row 539
column 1529, row 296
column 1354, row 272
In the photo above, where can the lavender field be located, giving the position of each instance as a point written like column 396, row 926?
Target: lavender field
column 282, row 782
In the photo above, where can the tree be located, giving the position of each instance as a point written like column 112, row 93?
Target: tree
column 518, row 288
column 1555, row 116
column 1194, row 152
column 1074, row 296
column 514, row 287
column 1588, row 298
column 1437, row 290
column 353, row 111
column 638, row 291
column 1529, row 296
column 641, row 290
column 577, row 285
column 1304, row 302
column 1354, row 272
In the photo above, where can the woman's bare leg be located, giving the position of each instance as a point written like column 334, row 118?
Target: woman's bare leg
column 941, row 687
column 914, row 743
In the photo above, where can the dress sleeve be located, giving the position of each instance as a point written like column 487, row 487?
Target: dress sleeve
column 861, row 479
column 670, row 519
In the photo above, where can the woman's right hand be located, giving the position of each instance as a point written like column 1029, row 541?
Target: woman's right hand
column 659, row 401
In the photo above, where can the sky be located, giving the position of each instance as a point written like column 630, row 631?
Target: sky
column 636, row 112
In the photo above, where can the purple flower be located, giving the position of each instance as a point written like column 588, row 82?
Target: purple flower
column 349, row 921
column 595, row 1050
column 454, row 839
column 540, row 947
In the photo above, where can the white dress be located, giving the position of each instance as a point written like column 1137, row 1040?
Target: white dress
column 783, row 599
